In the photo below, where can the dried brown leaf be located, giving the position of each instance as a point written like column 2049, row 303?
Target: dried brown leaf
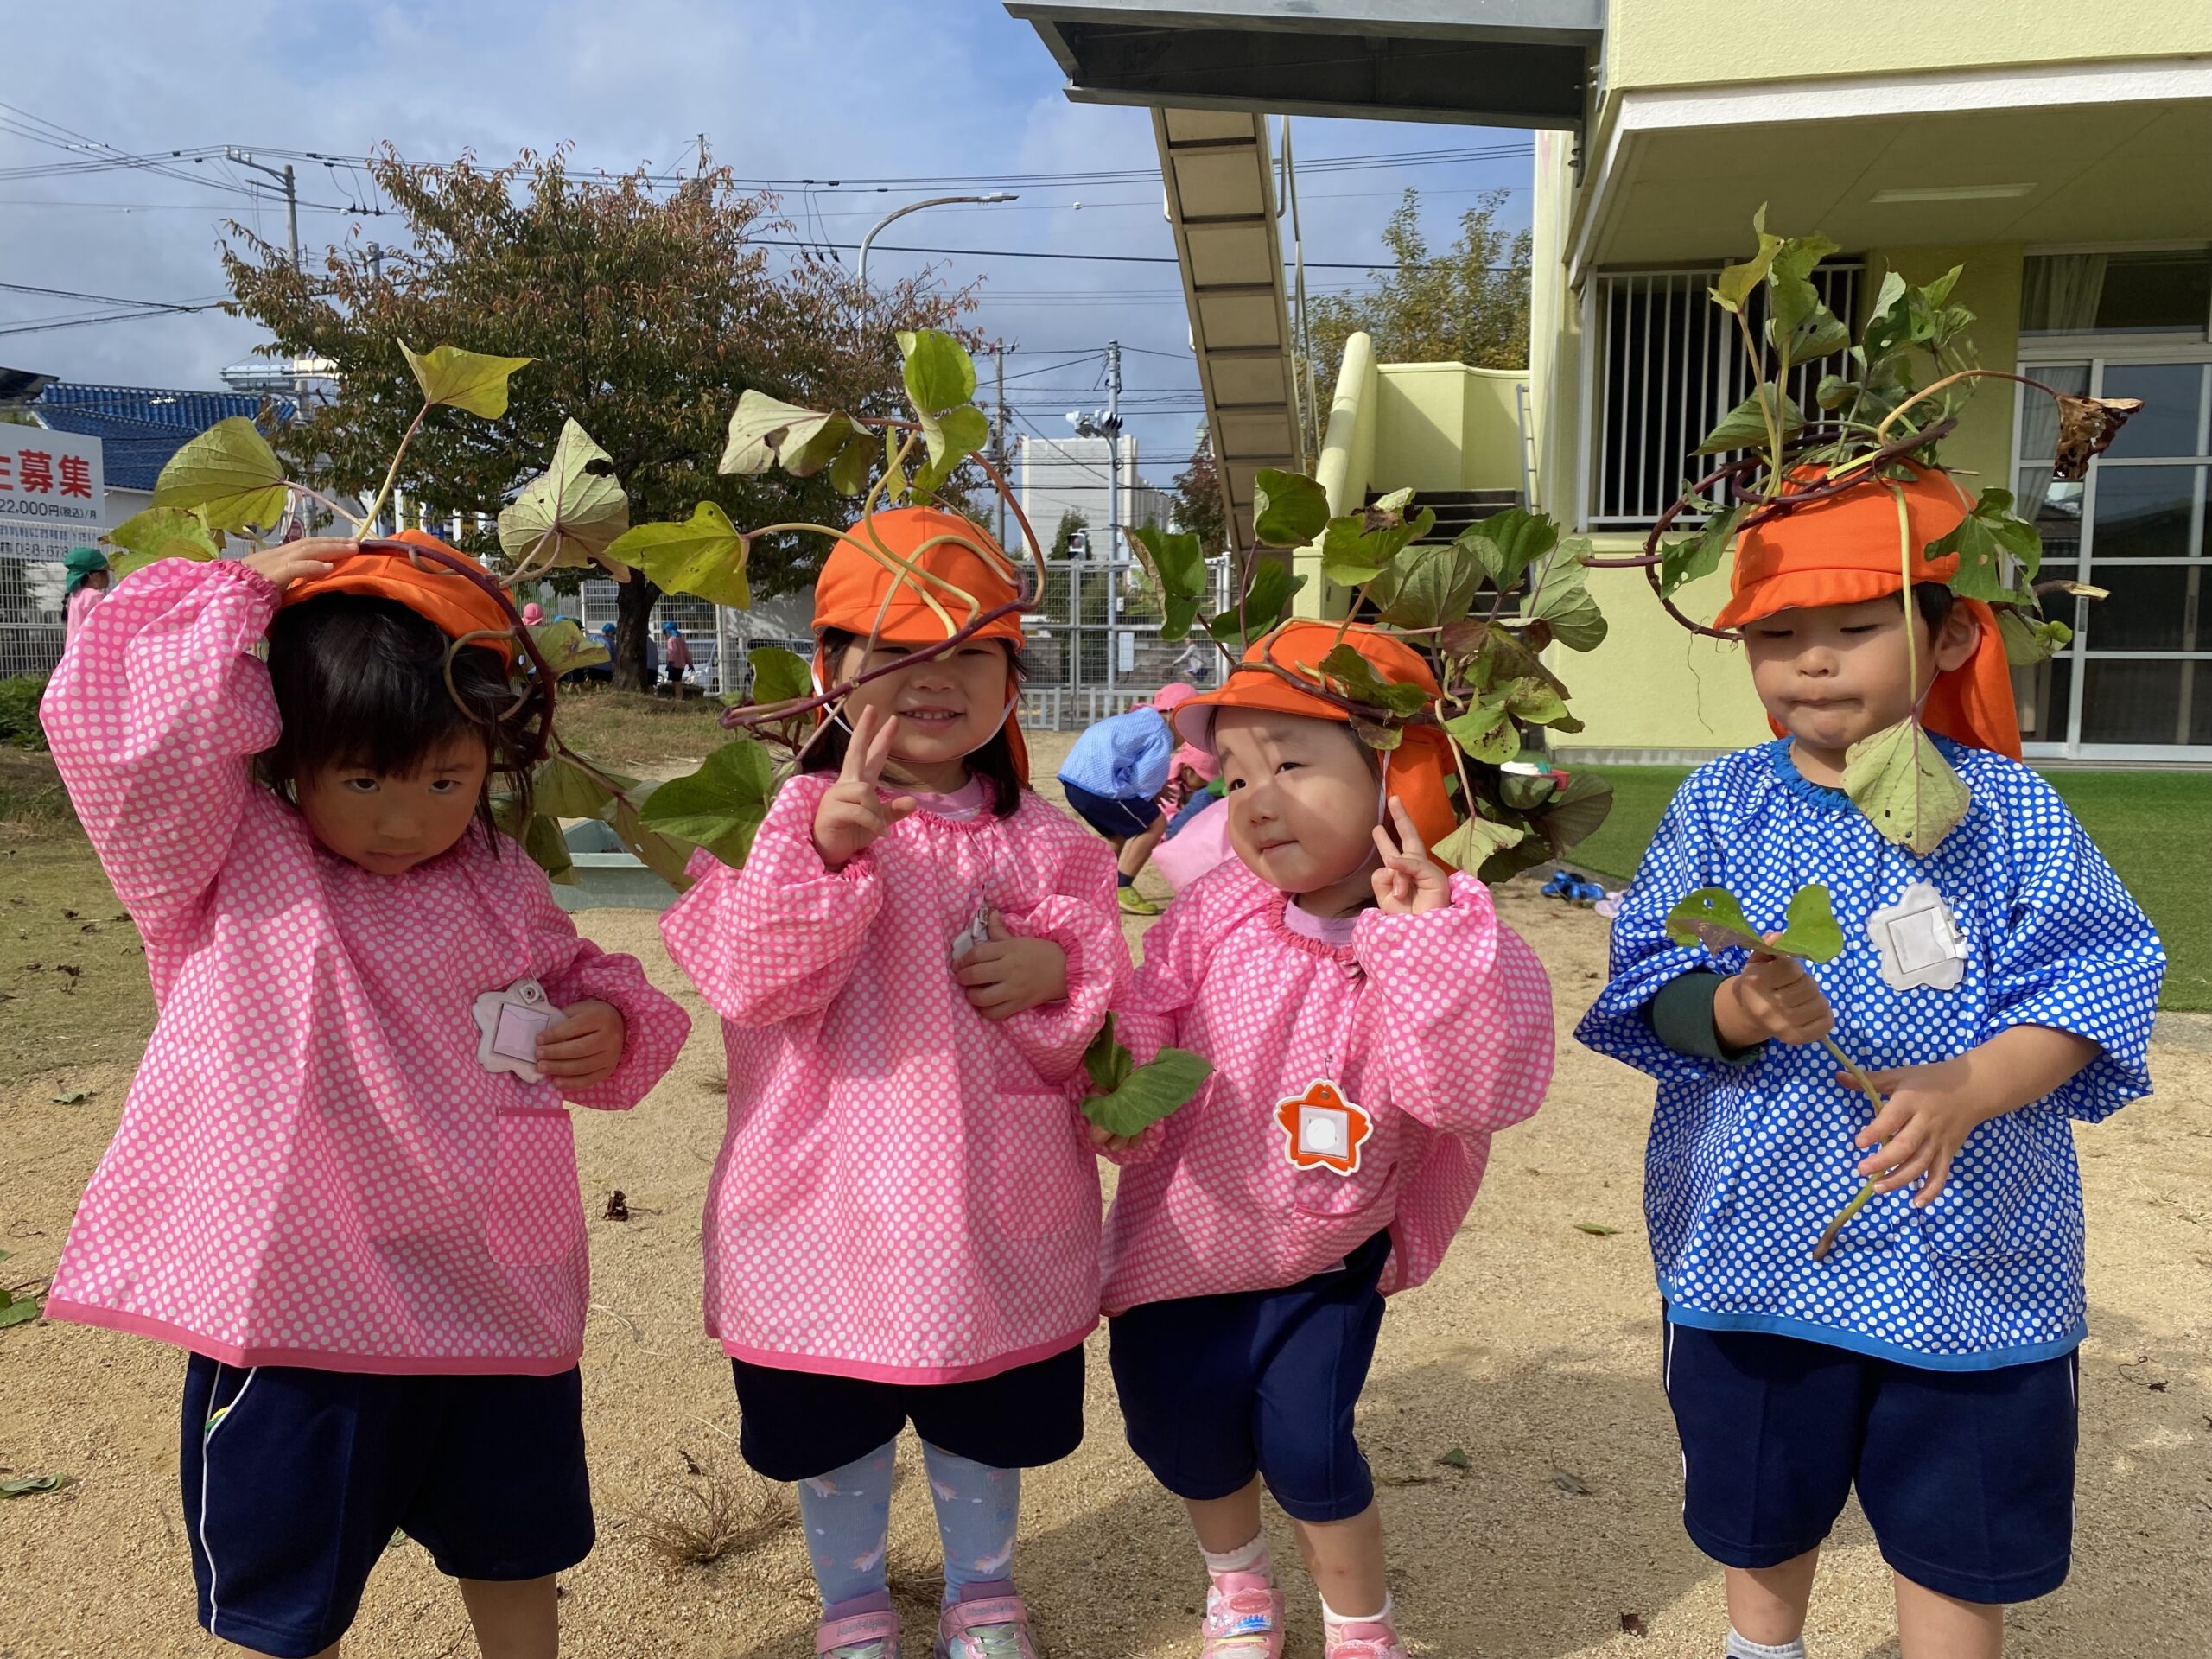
column 2087, row 427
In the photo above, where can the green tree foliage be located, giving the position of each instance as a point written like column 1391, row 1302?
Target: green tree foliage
column 647, row 314
column 1469, row 306
column 1071, row 522
column 1197, row 495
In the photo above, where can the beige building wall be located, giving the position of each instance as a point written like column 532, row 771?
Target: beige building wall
column 1695, row 43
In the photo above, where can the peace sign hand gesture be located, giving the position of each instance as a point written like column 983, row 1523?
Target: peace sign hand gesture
column 1409, row 882
column 853, row 812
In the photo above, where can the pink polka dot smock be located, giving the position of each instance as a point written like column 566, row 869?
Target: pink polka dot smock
column 1437, row 1027
column 312, row 1168
column 905, row 1192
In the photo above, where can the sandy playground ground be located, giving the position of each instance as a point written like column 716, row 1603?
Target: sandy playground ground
column 1531, row 1484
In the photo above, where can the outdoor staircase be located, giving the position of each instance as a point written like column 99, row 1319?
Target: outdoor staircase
column 1456, row 509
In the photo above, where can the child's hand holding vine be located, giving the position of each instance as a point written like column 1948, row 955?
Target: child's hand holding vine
column 1773, row 996
column 1007, row 974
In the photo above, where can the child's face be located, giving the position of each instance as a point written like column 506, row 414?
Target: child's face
column 1301, row 798
column 1830, row 675
column 946, row 708
column 387, row 823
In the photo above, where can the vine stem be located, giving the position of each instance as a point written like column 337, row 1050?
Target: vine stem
column 391, row 473
column 1826, row 1239
column 317, row 495
column 1933, row 387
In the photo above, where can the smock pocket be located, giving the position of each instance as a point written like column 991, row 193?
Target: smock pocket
column 2003, row 1199
column 535, row 1217
column 1320, row 1185
column 1042, row 1176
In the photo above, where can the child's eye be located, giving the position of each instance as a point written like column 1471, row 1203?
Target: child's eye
column 444, row 786
column 1864, row 628
column 361, row 786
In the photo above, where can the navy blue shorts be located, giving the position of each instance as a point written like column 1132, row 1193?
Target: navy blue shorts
column 1965, row 1477
column 796, row 1425
column 294, row 1481
column 1216, row 1389
column 1112, row 816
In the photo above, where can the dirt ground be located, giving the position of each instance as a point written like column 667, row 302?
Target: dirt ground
column 1532, row 1352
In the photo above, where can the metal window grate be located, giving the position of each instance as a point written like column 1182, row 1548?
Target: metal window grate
column 1671, row 364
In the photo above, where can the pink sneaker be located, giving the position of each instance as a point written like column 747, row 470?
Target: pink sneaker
column 1243, row 1618
column 1367, row 1639
column 996, row 1628
column 862, row 1636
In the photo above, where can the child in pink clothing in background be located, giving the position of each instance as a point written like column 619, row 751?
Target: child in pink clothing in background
column 904, row 1222
column 369, row 1241
column 1370, row 1024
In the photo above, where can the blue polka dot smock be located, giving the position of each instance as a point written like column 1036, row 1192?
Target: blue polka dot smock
column 1748, row 1162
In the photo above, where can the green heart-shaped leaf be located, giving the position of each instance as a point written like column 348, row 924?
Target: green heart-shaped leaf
column 1273, row 588
column 779, row 676
column 704, row 555
column 1356, row 679
column 566, row 647
column 572, row 511
column 1714, row 918
column 1563, row 599
column 230, row 473
column 468, row 380
column 1508, row 543
column 1288, row 509
column 1476, row 842
column 1908, row 791
column 1134, row 1096
column 719, row 805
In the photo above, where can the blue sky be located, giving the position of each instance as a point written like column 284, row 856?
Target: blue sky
column 825, row 90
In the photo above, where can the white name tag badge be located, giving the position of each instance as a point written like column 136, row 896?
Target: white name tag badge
column 508, row 1023
column 1919, row 941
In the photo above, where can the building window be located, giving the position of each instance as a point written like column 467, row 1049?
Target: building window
column 2137, row 680
column 2162, row 292
column 1670, row 364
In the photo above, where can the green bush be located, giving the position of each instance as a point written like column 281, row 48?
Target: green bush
column 19, row 700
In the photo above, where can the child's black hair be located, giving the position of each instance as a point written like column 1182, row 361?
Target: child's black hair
column 1935, row 602
column 361, row 682
column 993, row 762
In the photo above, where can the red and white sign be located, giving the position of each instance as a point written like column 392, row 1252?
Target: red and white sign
column 50, row 478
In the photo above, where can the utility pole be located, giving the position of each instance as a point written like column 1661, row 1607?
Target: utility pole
column 376, row 260
column 998, row 438
column 244, row 158
column 1114, row 554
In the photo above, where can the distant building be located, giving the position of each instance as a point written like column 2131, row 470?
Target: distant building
column 141, row 426
column 1061, row 475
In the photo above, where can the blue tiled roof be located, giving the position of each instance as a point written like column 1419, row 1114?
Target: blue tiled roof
column 141, row 426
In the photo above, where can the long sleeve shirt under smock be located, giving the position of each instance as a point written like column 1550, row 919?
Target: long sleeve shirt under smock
column 1124, row 758
column 1748, row 1162
column 905, row 1192
column 1436, row 1027
column 312, row 1167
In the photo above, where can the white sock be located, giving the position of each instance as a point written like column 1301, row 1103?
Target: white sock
column 1332, row 1621
column 1742, row 1646
column 1245, row 1558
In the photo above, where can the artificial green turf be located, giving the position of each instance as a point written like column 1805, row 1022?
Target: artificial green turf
column 2155, row 827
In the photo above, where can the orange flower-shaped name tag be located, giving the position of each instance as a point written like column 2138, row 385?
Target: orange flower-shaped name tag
column 1322, row 1129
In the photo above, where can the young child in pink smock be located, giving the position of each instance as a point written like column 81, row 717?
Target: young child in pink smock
column 370, row 1242
column 904, row 1222
column 1370, row 1024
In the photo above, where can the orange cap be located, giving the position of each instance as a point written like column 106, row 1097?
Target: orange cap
column 1844, row 550
column 858, row 594
column 457, row 605
column 1416, row 772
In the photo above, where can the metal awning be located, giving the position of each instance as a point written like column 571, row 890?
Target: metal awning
column 1501, row 63
column 1221, row 206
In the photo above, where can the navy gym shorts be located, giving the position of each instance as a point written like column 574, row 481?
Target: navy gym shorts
column 1216, row 1389
column 1965, row 1477
column 294, row 1480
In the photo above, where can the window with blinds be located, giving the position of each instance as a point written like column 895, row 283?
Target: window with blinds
column 1670, row 364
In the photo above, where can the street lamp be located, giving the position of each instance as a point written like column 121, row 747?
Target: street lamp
column 916, row 208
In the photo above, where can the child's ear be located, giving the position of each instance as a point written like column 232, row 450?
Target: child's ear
column 1957, row 640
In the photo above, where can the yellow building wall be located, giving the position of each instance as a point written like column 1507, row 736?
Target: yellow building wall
column 1696, row 43
column 1444, row 426
column 1654, row 685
